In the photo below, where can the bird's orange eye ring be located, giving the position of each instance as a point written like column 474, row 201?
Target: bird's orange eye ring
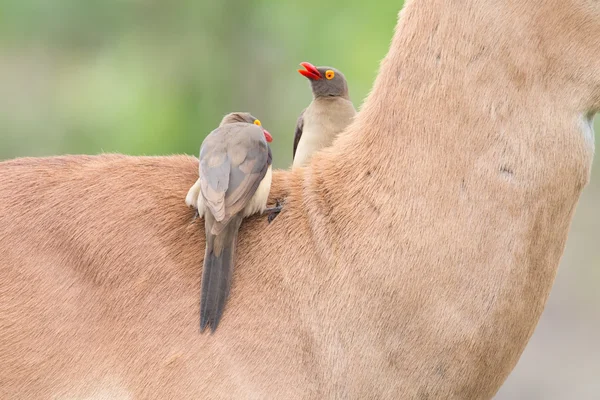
column 257, row 122
column 329, row 74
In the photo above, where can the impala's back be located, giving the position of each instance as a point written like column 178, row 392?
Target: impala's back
column 79, row 248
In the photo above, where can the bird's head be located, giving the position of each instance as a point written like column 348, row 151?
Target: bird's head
column 325, row 81
column 247, row 118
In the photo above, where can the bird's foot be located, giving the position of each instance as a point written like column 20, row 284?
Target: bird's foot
column 274, row 211
column 196, row 215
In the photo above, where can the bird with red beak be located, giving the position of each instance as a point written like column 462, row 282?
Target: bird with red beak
column 329, row 113
column 234, row 183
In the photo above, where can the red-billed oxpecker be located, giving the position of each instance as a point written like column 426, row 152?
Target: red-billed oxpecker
column 234, row 183
column 329, row 113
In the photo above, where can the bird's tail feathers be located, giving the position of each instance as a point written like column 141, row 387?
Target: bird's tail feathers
column 217, row 271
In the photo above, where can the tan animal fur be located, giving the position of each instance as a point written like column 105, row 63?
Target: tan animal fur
column 412, row 260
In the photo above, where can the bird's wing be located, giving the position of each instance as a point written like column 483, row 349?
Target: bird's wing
column 232, row 164
column 214, row 172
column 298, row 131
column 250, row 159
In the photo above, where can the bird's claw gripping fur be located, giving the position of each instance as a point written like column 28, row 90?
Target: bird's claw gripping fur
column 274, row 211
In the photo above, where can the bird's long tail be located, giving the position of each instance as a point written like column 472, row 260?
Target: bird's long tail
column 217, row 271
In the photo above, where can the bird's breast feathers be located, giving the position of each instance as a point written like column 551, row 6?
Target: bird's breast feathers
column 324, row 120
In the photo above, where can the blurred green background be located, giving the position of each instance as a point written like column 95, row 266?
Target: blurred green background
column 155, row 77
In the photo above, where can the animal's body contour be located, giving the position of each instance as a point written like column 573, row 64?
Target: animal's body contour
column 412, row 261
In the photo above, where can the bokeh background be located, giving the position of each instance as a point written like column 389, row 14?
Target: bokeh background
column 154, row 77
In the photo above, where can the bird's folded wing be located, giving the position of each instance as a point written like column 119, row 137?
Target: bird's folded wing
column 214, row 176
column 248, row 168
column 232, row 165
column 298, row 131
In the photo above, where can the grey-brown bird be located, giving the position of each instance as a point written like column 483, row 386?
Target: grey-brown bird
column 329, row 113
column 234, row 182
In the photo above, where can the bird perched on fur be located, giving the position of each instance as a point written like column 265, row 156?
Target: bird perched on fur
column 234, row 183
column 329, row 113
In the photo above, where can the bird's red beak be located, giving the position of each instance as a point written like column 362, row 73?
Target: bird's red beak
column 268, row 136
column 311, row 72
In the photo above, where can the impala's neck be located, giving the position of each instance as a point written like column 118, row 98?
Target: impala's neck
column 454, row 73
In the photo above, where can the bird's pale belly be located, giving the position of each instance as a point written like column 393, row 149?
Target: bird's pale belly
column 311, row 142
